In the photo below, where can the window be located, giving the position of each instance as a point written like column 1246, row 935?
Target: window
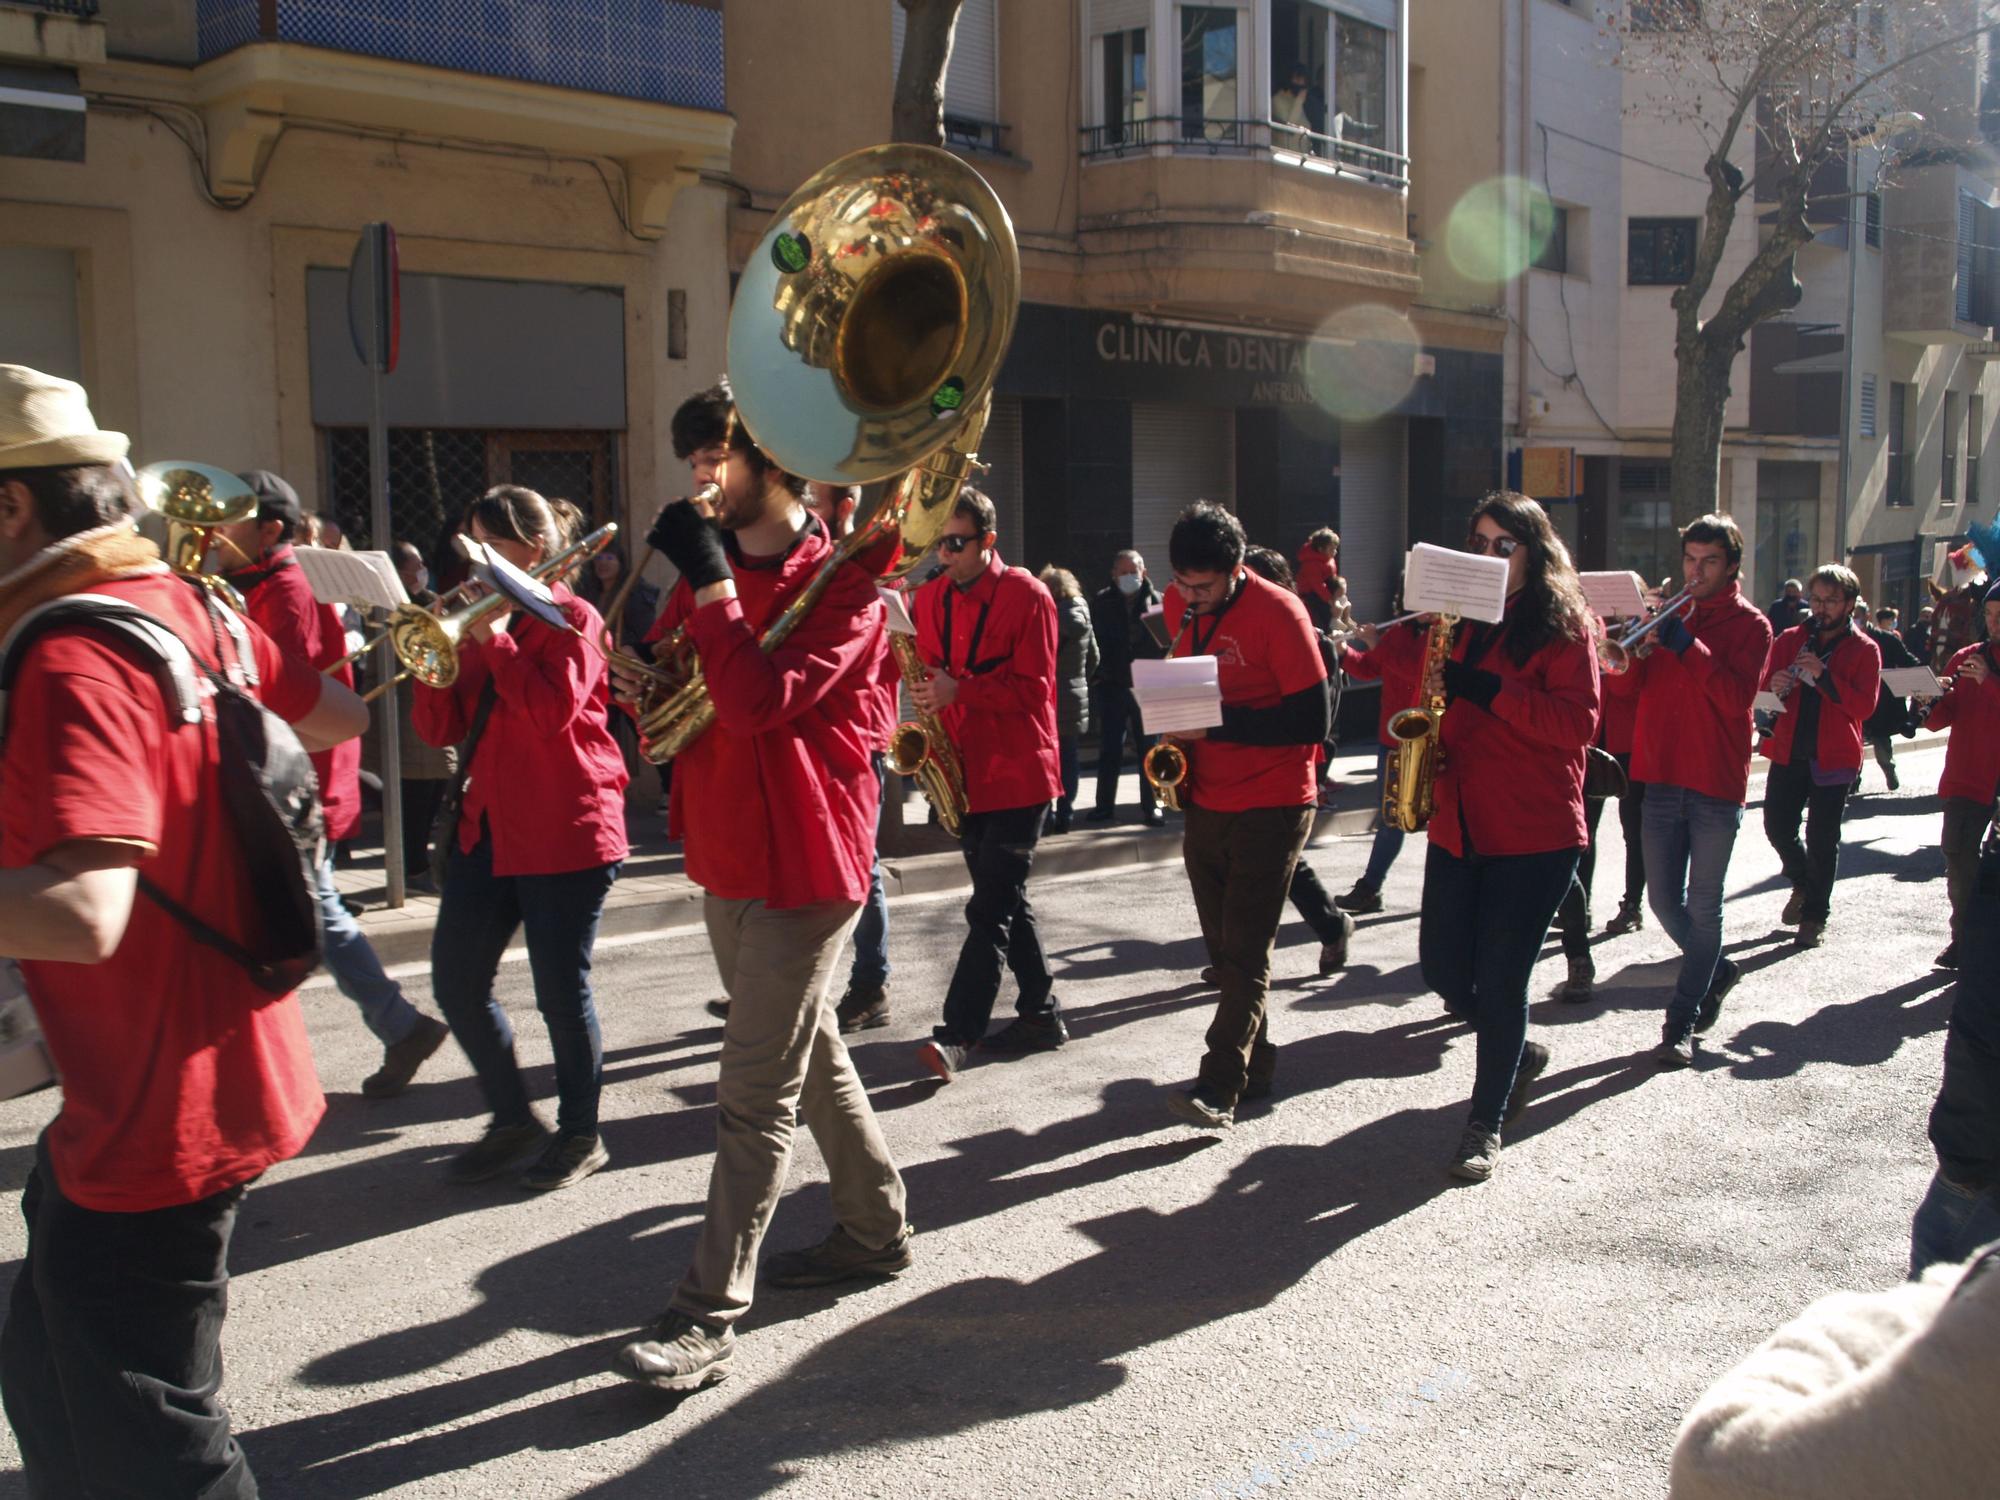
column 1208, row 74
column 1360, row 83
column 1872, row 229
column 1122, row 76
column 1900, row 491
column 1954, row 416
column 1659, row 252
column 1975, row 436
column 1868, row 406
column 1664, row 15
column 971, row 79
column 1553, row 253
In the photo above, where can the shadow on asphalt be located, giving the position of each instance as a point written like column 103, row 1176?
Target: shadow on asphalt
column 1857, row 1034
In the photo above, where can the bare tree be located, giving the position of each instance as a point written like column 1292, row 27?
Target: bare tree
column 918, row 114
column 1789, row 85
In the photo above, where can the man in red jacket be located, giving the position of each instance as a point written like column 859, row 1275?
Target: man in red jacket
column 278, row 598
column 1694, row 680
column 776, row 805
column 987, row 632
column 1970, row 708
column 1249, row 791
column 1827, row 673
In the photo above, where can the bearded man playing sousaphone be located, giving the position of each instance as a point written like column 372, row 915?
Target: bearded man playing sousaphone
column 776, row 803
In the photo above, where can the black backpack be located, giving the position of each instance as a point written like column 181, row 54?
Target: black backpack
column 268, row 784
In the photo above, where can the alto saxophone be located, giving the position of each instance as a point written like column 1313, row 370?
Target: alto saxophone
column 922, row 749
column 1165, row 766
column 1409, row 787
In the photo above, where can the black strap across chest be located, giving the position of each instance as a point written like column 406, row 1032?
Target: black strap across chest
column 1198, row 640
column 974, row 667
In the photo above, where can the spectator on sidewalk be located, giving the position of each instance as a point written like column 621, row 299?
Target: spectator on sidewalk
column 1892, row 714
column 1789, row 608
column 1118, row 618
column 1917, row 635
column 1076, row 665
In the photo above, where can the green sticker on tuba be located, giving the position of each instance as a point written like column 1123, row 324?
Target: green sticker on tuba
column 791, row 253
column 950, row 397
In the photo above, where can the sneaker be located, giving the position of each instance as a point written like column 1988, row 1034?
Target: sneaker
column 1810, row 935
column 1041, row 1032
column 1631, row 917
column 718, row 1008
column 1363, row 900
column 1333, row 954
column 839, row 1257
column 1675, row 1052
column 677, row 1353
column 1948, row 959
column 1057, row 825
column 1726, row 975
column 946, row 1059
column 1099, row 815
column 400, row 1060
column 1198, row 1107
column 1534, row 1063
column 1795, row 909
column 1581, row 986
column 863, row 1008
column 501, row 1149
column 1477, row 1155
column 567, row 1159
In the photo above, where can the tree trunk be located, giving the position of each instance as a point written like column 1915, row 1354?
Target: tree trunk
column 1701, row 393
column 918, row 114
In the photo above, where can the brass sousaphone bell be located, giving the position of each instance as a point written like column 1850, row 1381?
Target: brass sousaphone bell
column 196, row 501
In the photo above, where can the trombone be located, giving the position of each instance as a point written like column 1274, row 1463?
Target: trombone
column 1614, row 653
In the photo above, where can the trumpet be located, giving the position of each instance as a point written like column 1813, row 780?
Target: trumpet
column 1614, row 654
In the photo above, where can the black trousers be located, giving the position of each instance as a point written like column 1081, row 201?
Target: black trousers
column 1790, row 791
column 1573, row 916
column 1000, row 924
column 420, row 805
column 1632, row 822
column 111, row 1358
column 1311, row 901
column 1118, row 718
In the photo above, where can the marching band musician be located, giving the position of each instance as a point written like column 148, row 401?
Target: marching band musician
column 1970, row 708
column 1827, row 672
column 776, row 803
column 987, row 632
column 1249, row 792
column 1521, row 706
column 1694, row 680
column 537, row 843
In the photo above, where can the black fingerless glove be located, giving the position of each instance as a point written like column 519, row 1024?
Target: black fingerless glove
column 691, row 542
column 1473, row 684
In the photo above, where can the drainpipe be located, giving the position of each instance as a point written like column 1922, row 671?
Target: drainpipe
column 1857, row 210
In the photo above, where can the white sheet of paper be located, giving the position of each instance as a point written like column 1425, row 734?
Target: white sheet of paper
column 1616, row 596
column 1767, row 702
column 1912, row 682
column 898, row 611
column 363, row 579
column 1183, row 692
column 1442, row 580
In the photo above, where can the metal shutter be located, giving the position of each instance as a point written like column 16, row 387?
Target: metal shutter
column 972, row 78
column 1001, row 448
column 1371, row 513
column 1180, row 454
column 1120, row 15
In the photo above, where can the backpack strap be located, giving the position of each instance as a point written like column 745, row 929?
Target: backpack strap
column 174, row 666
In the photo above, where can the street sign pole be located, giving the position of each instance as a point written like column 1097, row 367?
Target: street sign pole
column 377, row 252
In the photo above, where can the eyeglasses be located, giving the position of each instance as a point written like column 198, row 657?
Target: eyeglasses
column 955, row 544
column 1499, row 546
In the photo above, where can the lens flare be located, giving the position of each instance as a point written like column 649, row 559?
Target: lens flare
column 1498, row 229
column 1362, row 361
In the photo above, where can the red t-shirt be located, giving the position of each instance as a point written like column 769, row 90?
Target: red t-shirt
column 180, row 1078
column 1265, row 650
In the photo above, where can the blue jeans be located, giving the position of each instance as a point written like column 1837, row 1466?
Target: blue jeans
column 477, row 918
column 1950, row 1224
column 1478, row 935
column 1388, row 838
column 357, row 972
column 870, row 970
column 1689, row 837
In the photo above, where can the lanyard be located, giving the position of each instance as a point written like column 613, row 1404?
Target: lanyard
column 1200, row 643
column 971, row 646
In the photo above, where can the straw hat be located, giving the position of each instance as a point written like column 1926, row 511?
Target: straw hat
column 45, row 422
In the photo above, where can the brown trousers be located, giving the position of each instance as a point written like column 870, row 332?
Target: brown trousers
column 1964, row 831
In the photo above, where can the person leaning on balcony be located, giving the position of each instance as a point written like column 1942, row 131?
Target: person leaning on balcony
column 1288, row 107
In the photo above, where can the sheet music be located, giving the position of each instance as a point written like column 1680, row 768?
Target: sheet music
column 1184, row 692
column 898, row 611
column 1767, row 702
column 1615, row 596
column 1912, row 682
column 1441, row 580
column 367, row 580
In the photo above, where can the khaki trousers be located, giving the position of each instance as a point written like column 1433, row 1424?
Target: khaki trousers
column 782, row 1058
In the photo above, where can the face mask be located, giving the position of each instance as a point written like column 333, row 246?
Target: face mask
column 1128, row 583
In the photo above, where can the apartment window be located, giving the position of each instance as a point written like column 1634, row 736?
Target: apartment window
column 1868, row 406
column 1664, row 15
column 1872, row 224
column 1900, row 491
column 1553, row 253
column 1122, row 77
column 971, row 79
column 1361, row 82
column 1209, row 74
column 1975, row 437
column 1659, row 252
column 1954, row 416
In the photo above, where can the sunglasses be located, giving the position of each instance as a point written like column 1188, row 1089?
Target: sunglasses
column 1499, row 546
column 955, row 544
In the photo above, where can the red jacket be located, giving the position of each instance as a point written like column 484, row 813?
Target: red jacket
column 777, row 801
column 1693, row 723
column 282, row 603
column 546, row 778
column 1971, row 710
column 1853, row 671
column 1514, row 772
column 1621, row 717
column 1003, row 654
column 1316, row 572
column 1399, row 688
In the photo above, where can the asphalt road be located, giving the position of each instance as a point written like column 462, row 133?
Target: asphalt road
column 1106, row 1302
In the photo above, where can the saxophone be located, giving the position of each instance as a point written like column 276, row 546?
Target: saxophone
column 922, row 749
column 1165, row 766
column 1409, row 789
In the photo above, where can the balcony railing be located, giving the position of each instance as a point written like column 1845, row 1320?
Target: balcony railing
column 1205, row 136
column 83, row 10
column 964, row 133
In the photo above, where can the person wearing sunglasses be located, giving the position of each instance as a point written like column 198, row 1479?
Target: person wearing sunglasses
column 987, row 635
column 1521, row 706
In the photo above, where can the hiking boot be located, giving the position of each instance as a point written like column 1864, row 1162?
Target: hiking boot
column 1948, row 959
column 1726, row 975
column 1675, row 1051
column 1199, row 1107
column 1631, row 917
column 1811, row 934
column 501, row 1149
column 1477, row 1155
column 1333, row 952
column 863, row 1008
column 677, row 1353
column 1364, row 899
column 1534, row 1062
column 839, row 1257
column 1041, row 1032
column 570, row 1157
column 1795, row 909
column 400, row 1060
column 946, row 1059
column 718, row 1008
column 1581, row 986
